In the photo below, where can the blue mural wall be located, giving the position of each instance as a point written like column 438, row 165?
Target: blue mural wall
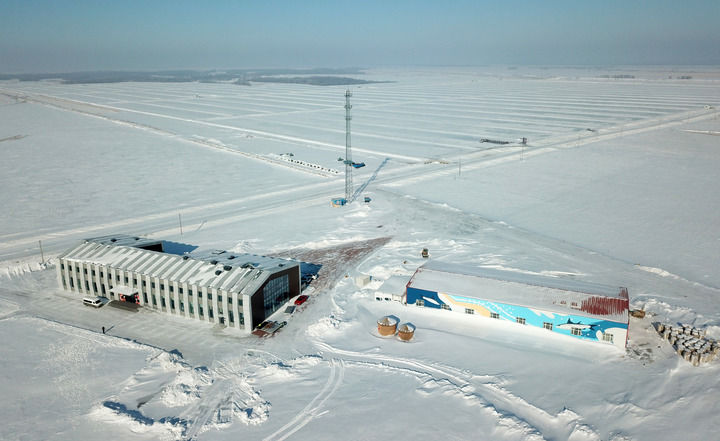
column 586, row 328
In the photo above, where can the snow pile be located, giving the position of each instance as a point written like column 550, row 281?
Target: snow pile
column 22, row 267
column 185, row 387
column 326, row 326
column 125, row 421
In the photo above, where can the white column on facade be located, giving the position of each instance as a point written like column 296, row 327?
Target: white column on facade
column 215, row 308
column 98, row 282
column 247, row 312
column 195, row 301
column 106, row 282
column 66, row 273
column 150, row 292
column 79, row 281
column 140, row 289
column 166, row 295
column 185, row 299
column 205, row 303
column 59, row 269
column 235, row 310
column 176, row 296
column 224, row 306
column 85, row 278
column 156, row 291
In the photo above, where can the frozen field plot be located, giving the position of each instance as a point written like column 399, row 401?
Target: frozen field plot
column 617, row 185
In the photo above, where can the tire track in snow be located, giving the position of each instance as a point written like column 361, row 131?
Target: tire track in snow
column 511, row 410
column 312, row 410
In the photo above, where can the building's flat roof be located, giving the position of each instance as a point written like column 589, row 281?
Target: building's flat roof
column 246, row 271
column 125, row 240
column 395, row 285
column 530, row 290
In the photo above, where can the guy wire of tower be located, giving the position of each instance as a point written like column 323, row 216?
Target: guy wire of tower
column 348, row 152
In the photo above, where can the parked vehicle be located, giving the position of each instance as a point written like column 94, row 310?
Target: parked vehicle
column 95, row 302
column 300, row 300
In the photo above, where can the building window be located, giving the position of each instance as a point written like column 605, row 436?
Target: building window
column 607, row 337
column 144, row 284
column 62, row 266
column 230, row 315
column 419, row 302
column 469, row 311
column 162, row 301
column 87, row 286
column 576, row 331
column 229, row 300
column 145, row 298
column 180, row 290
column 182, row 307
column 126, row 280
column 445, row 306
column 494, row 315
column 219, row 298
column 72, row 285
column 199, row 294
column 154, row 299
column 162, row 286
column 85, row 271
column 172, row 288
column 574, row 304
column 547, row 325
column 275, row 292
column 200, row 311
column 210, row 312
column 103, row 289
column 209, row 296
column 93, row 273
column 520, row 320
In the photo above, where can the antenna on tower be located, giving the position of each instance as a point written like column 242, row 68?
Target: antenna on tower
column 348, row 150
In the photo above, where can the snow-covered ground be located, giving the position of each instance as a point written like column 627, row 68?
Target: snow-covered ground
column 618, row 185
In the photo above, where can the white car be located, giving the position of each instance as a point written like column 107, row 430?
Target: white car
column 95, row 302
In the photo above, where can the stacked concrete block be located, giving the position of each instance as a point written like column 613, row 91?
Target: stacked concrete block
column 689, row 342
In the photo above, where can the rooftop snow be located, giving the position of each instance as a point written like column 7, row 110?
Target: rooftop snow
column 550, row 294
column 245, row 273
column 125, row 239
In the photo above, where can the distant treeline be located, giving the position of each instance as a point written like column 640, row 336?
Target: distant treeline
column 621, row 76
column 315, row 80
column 319, row 76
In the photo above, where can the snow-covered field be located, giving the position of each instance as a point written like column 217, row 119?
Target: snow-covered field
column 618, row 185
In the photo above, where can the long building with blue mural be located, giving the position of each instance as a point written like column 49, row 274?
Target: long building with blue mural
column 578, row 309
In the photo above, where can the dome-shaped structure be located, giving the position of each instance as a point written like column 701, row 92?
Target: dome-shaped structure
column 406, row 331
column 387, row 325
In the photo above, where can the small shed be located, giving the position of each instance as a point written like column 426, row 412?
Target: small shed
column 393, row 289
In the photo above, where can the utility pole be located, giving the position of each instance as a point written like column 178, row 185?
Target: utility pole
column 180, row 221
column 348, row 153
column 42, row 256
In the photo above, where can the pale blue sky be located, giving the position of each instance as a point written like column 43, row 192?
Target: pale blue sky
column 64, row 36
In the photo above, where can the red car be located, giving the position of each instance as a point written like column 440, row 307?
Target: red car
column 300, row 300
